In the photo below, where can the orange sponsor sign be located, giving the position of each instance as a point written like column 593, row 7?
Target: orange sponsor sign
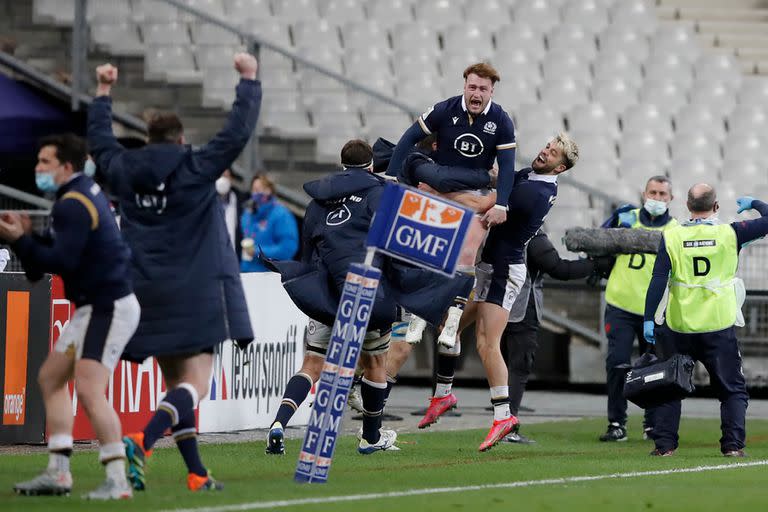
column 16, row 341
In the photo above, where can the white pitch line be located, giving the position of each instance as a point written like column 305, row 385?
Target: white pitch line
column 255, row 505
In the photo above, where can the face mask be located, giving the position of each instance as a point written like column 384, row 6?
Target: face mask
column 259, row 198
column 223, row 186
column 90, row 168
column 655, row 208
column 44, row 181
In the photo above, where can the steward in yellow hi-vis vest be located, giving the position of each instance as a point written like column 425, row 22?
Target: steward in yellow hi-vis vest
column 632, row 272
column 697, row 264
column 702, row 295
column 625, row 300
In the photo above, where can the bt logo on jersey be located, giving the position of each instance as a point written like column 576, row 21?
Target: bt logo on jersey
column 469, row 145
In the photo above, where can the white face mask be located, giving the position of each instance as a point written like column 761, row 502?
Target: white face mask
column 655, row 208
column 223, row 186
column 90, row 168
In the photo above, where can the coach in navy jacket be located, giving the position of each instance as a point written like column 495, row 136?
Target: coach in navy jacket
column 185, row 269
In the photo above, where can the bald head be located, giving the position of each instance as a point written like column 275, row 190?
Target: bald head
column 701, row 198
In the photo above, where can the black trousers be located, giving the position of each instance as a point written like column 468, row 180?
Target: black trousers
column 621, row 329
column 719, row 353
column 519, row 344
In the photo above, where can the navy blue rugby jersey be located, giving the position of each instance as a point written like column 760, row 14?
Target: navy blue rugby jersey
column 466, row 142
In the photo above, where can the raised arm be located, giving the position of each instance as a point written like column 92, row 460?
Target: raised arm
column 218, row 155
column 750, row 230
column 102, row 144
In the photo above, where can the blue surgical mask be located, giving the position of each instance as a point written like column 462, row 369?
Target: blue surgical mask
column 259, row 198
column 44, row 181
column 90, row 168
column 655, row 208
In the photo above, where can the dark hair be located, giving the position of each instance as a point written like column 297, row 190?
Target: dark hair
column 70, row 149
column 425, row 144
column 659, row 179
column 703, row 202
column 483, row 70
column 356, row 153
column 164, row 128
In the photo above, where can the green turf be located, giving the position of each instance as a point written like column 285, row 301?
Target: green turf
column 443, row 459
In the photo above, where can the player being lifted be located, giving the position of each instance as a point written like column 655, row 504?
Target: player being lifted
column 472, row 131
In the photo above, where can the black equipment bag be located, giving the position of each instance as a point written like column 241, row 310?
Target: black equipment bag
column 650, row 383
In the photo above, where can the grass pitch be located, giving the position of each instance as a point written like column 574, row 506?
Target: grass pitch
column 449, row 461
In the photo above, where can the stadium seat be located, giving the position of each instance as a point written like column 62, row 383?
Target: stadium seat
column 566, row 66
column 316, row 33
column 744, row 171
column 644, row 146
column 517, row 64
column 208, row 34
column 531, row 141
column 406, row 64
column 220, row 57
column 636, row 175
column 247, row 9
column 608, row 65
column 167, row 33
column 155, row 11
column 573, row 40
column 510, row 94
column 593, row 118
column 387, row 125
column 631, row 42
column 58, row 12
column 412, row 37
column 537, row 117
column 390, row 14
column 720, row 67
column 595, row 148
column 440, row 14
column 491, row 14
column 700, row 117
column 746, row 119
column 668, row 95
column 219, row 89
column 421, row 91
column 328, row 146
column 718, row 96
column 637, row 15
column 268, row 29
column 341, row 12
column 678, row 38
column 688, row 170
column 615, row 94
column 363, row 35
column 467, row 39
column 754, row 90
column 665, row 66
column 107, row 11
column 647, row 117
column 696, row 145
column 296, row 10
column 121, row 38
column 173, row 63
column 522, row 37
column 541, row 14
column 213, row 7
column 591, row 15
column 745, row 146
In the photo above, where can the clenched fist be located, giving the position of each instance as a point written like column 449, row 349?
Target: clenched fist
column 106, row 74
column 246, row 65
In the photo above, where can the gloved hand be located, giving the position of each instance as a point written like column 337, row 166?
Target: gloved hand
column 648, row 332
column 744, row 203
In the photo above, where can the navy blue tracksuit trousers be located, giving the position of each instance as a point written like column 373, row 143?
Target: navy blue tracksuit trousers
column 719, row 353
